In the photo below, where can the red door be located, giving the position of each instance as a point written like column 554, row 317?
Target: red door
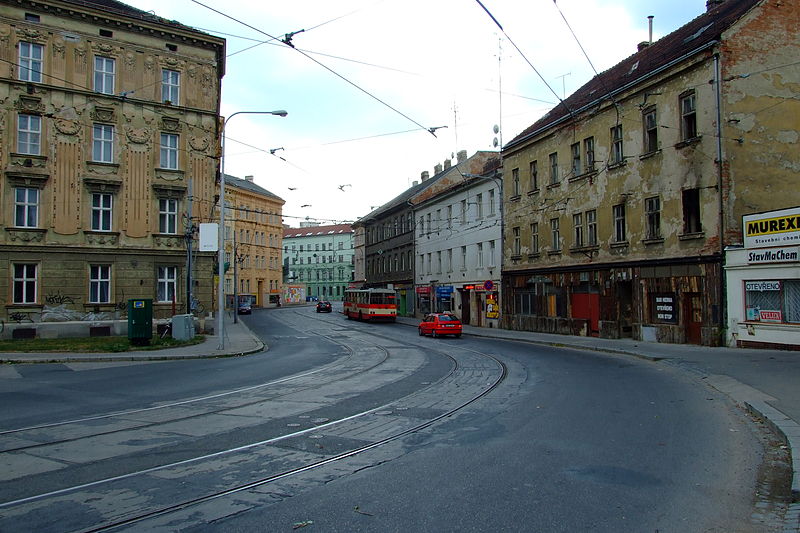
column 587, row 306
column 693, row 317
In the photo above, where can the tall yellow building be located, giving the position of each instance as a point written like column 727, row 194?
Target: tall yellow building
column 253, row 236
column 110, row 136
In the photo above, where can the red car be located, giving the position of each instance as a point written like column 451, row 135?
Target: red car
column 438, row 324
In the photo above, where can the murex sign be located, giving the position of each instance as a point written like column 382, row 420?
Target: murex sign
column 776, row 228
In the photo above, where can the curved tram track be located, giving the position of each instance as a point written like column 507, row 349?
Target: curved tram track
column 165, row 488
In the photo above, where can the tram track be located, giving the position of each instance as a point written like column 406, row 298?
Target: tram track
column 446, row 396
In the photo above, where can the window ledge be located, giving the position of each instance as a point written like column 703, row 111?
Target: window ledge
column 514, row 198
column 101, row 237
column 590, row 174
column 648, row 155
column 691, row 236
column 102, row 164
column 555, row 185
column 621, row 244
column 516, row 257
column 534, row 192
column 554, row 252
column 617, row 164
column 26, row 234
column 657, row 240
column 584, row 249
column 688, row 142
column 535, row 255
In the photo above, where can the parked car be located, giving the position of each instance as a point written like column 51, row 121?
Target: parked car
column 245, row 309
column 324, row 307
column 438, row 324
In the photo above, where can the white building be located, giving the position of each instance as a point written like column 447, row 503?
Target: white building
column 457, row 241
column 763, row 282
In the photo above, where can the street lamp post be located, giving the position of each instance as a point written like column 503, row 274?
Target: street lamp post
column 221, row 252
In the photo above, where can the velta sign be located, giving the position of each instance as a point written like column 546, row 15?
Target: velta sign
column 775, row 228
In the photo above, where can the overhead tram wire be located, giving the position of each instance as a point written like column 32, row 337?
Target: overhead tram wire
column 322, row 65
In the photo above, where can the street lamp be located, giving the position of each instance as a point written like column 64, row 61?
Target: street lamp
column 221, row 252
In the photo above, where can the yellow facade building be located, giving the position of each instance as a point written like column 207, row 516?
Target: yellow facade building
column 110, row 136
column 253, row 241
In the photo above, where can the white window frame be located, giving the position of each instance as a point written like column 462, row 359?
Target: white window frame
column 31, row 57
column 591, row 227
column 169, row 151
column 170, row 86
column 103, row 143
column 534, row 237
column 99, row 284
column 555, row 233
column 168, row 216
column 553, row 168
column 620, row 230
column 104, row 73
column 29, row 134
column 480, row 254
column 688, row 109
column 26, row 207
column 617, row 153
column 102, row 211
column 588, row 155
column 577, row 224
column 25, row 283
column 652, row 207
column 167, row 283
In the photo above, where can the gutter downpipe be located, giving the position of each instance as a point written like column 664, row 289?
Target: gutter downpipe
column 723, row 295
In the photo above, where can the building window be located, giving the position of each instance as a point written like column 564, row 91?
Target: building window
column 617, row 155
column 463, row 211
column 691, row 211
column 463, row 258
column 534, row 170
column 29, row 134
column 516, row 245
column 169, row 151
column 103, row 143
column 30, row 62
column 428, row 270
column 170, row 86
column 100, row 284
column 491, row 203
column 776, row 301
column 104, row 75
column 619, row 223
column 450, row 260
column 101, row 211
column 25, row 283
column 650, row 131
column 515, row 182
column 168, row 216
column 421, row 226
column 553, row 168
column 167, row 280
column 479, row 203
column 555, row 233
column 575, row 150
column 591, row 227
column 688, row 116
column 26, row 207
column 535, row 238
column 652, row 207
column 588, row 154
column 491, row 253
column 577, row 224
column 480, row 255
column 438, row 262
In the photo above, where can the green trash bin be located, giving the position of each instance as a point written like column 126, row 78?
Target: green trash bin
column 140, row 320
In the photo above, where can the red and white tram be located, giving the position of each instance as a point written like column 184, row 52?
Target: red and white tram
column 370, row 304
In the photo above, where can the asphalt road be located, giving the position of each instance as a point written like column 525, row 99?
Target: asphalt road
column 569, row 441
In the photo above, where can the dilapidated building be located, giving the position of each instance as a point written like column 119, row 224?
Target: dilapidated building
column 619, row 202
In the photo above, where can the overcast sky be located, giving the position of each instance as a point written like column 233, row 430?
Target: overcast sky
column 356, row 134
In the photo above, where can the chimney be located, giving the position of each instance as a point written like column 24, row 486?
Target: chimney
column 447, row 164
column 461, row 156
column 249, row 178
column 642, row 45
column 425, row 175
column 414, row 183
column 650, row 28
column 437, row 169
column 713, row 4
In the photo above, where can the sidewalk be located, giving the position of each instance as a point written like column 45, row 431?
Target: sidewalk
column 239, row 340
column 766, row 382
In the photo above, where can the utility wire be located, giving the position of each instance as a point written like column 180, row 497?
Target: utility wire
column 322, row 65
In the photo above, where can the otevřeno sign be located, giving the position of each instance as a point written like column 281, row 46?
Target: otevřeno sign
column 775, row 228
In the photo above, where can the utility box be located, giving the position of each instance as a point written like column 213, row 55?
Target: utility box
column 140, row 320
column 183, row 327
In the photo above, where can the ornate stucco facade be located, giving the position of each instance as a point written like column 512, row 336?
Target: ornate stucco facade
column 620, row 202
column 109, row 153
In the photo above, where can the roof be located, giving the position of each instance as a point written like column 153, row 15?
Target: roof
column 317, row 231
column 693, row 36
column 119, row 8
column 247, row 185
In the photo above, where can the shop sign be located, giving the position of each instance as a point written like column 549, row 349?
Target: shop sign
column 774, row 255
column 770, row 316
column 492, row 309
column 424, row 289
column 775, row 228
column 664, row 308
column 761, row 286
column 444, row 291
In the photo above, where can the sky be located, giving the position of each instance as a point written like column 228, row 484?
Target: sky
column 367, row 79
